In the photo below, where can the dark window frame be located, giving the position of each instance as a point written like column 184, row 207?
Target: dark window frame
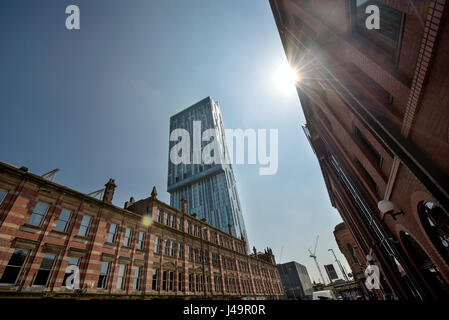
column 10, row 267
column 374, row 37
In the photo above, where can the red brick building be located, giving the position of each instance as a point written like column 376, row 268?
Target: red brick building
column 376, row 103
column 145, row 250
column 349, row 248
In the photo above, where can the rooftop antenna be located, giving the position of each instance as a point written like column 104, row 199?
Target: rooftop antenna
column 313, row 255
column 50, row 175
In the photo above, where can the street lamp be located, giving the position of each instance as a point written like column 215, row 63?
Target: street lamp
column 387, row 207
column 339, row 264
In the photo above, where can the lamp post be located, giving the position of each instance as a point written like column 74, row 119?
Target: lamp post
column 388, row 207
column 339, row 264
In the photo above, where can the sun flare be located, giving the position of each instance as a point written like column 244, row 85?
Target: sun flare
column 285, row 78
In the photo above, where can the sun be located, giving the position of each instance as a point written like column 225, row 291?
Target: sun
column 285, row 78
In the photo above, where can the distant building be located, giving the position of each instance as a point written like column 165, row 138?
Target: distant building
column 296, row 280
column 210, row 189
column 349, row 248
column 143, row 251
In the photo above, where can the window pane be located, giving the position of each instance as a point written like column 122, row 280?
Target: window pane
column 102, row 279
column 64, row 217
column 121, row 275
column 127, row 237
column 156, row 244
column 104, row 267
column 82, row 231
column 44, row 271
column 47, row 262
column 2, row 195
column 15, row 264
column 41, row 208
column 18, row 258
column 136, row 278
column 155, row 279
column 85, row 222
column 111, row 234
column 35, row 219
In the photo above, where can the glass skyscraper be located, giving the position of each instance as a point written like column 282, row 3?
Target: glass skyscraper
column 210, row 189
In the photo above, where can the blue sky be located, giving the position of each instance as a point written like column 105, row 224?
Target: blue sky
column 96, row 103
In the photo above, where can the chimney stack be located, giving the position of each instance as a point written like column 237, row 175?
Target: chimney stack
column 184, row 205
column 129, row 203
column 255, row 251
column 230, row 228
column 154, row 193
column 109, row 191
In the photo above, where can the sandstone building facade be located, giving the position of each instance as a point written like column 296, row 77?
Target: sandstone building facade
column 146, row 250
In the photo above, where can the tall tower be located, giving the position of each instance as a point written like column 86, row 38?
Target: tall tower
column 210, row 189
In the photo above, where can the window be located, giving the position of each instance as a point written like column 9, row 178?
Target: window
column 141, row 241
column 127, row 240
column 166, row 217
column 159, row 216
column 191, row 284
column 39, row 212
column 14, row 267
column 164, row 280
column 72, row 262
column 156, row 244
column 3, row 194
column 179, row 223
column 155, row 286
column 180, row 279
column 43, row 274
column 172, row 248
column 195, row 230
column 197, row 283
column 197, row 255
column 189, row 227
column 121, row 276
column 166, row 247
column 180, row 251
column 171, row 281
column 436, row 225
column 112, row 232
column 102, row 280
column 190, row 253
column 387, row 38
column 84, row 228
column 172, row 221
column 369, row 179
column 136, row 278
column 368, row 147
column 215, row 260
column 63, row 220
column 218, row 284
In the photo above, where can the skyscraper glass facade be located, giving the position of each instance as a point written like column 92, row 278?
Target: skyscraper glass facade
column 210, row 189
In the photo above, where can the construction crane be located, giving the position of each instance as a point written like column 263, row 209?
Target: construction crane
column 313, row 255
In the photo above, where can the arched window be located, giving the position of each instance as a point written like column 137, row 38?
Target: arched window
column 428, row 270
column 436, row 224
